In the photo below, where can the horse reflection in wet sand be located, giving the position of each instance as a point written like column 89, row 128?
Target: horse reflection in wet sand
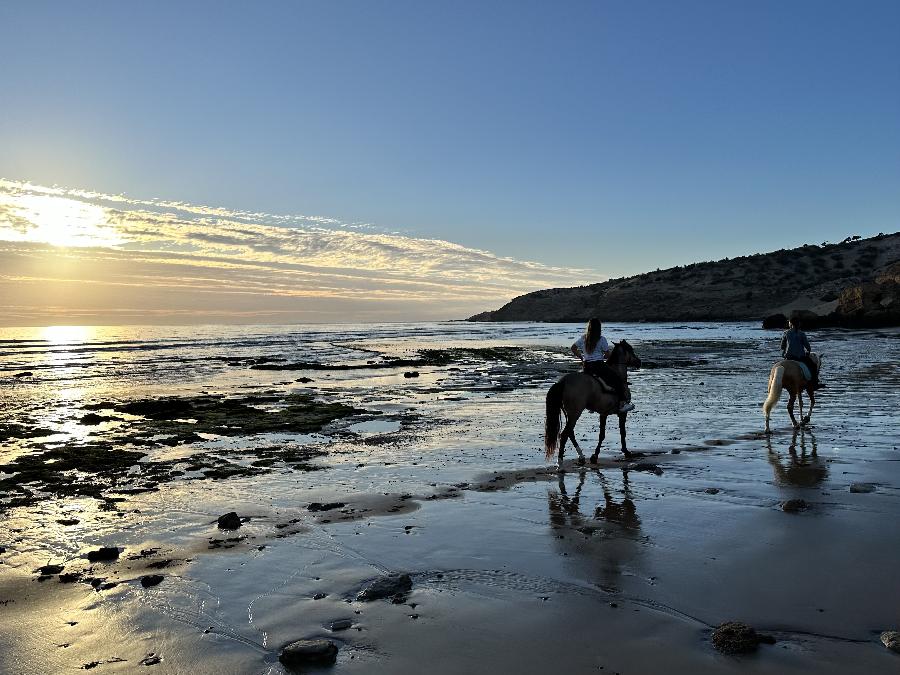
column 787, row 374
column 576, row 392
column 803, row 469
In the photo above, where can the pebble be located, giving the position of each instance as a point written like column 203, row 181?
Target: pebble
column 862, row 488
column 734, row 637
column 794, row 505
column 891, row 640
column 341, row 624
column 151, row 580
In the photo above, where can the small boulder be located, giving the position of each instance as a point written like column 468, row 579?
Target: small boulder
column 309, row 653
column 92, row 419
column 891, row 640
column 49, row 570
column 318, row 506
column 26, row 373
column 69, row 577
column 734, row 637
column 794, row 505
column 341, row 624
column 151, row 580
column 103, row 554
column 712, row 491
column 229, row 521
column 411, row 373
column 862, row 488
column 303, row 380
column 386, row 587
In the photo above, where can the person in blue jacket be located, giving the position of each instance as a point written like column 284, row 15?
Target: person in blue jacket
column 795, row 346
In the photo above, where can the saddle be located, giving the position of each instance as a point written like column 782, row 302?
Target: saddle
column 804, row 369
column 604, row 385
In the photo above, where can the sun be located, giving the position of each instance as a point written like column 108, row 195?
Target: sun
column 56, row 220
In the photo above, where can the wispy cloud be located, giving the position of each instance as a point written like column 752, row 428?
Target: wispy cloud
column 82, row 256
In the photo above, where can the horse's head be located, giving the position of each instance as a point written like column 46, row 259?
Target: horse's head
column 624, row 353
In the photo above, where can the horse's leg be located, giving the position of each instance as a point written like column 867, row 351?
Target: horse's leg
column 800, row 399
column 791, row 400
column 568, row 432
column 577, row 447
column 600, row 442
column 812, row 404
column 622, row 434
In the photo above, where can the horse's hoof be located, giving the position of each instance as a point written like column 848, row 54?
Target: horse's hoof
column 593, row 459
column 581, row 461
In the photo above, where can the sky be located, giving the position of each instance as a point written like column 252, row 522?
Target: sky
column 515, row 145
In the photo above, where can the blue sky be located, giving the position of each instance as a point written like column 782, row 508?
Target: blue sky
column 618, row 136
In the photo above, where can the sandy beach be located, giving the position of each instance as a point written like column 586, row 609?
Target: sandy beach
column 351, row 454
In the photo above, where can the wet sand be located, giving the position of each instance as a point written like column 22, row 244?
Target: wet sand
column 623, row 567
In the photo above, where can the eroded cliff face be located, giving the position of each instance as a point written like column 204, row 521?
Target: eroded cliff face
column 850, row 280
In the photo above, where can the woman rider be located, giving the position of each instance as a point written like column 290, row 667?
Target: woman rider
column 593, row 349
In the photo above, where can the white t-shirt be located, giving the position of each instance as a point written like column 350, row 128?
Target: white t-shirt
column 600, row 349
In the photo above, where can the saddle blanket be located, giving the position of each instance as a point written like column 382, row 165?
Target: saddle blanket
column 803, row 369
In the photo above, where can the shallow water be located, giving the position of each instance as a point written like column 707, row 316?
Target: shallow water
column 514, row 567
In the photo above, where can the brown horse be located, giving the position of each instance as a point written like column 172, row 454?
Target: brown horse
column 576, row 392
column 787, row 374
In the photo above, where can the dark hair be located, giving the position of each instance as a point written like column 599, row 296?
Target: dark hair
column 796, row 322
column 592, row 334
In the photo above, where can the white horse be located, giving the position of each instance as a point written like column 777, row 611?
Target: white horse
column 787, row 374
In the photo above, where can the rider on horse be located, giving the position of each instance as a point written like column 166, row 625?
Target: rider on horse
column 795, row 346
column 593, row 349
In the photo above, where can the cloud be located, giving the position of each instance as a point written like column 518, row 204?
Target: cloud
column 70, row 253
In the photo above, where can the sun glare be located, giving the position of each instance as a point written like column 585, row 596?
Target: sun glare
column 58, row 221
column 66, row 334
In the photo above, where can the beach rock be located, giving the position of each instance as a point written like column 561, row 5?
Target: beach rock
column 68, row 521
column 386, row 587
column 92, row 419
column 151, row 659
column 309, row 653
column 891, row 640
column 318, row 506
column 341, row 624
column 734, row 637
column 69, row 577
column 26, row 373
column 151, row 580
column 862, row 488
column 775, row 321
column 229, row 521
column 794, row 505
column 411, row 373
column 647, row 466
column 303, row 380
column 103, row 554
column 712, row 491
column 48, row 570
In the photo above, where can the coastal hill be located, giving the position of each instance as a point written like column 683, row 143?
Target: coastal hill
column 851, row 283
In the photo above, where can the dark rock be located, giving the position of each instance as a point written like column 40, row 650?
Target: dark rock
column 341, row 624
column 69, row 577
column 411, row 373
column 891, row 640
column 229, row 521
column 647, row 466
column 151, row 659
column 777, row 321
column 320, row 596
column 92, row 419
column 318, row 506
column 304, row 380
column 862, row 488
column 738, row 638
column 712, row 491
column 68, row 521
column 103, row 554
column 48, row 570
column 386, row 587
column 309, row 653
column 26, row 373
column 151, row 580
column 794, row 505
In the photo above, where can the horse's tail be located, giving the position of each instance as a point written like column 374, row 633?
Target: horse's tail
column 775, row 378
column 551, row 425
